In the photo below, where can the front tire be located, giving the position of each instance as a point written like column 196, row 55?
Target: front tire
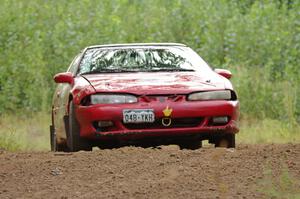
column 52, row 138
column 226, row 141
column 56, row 147
column 74, row 141
column 190, row 144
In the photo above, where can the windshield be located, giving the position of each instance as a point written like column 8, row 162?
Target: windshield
column 140, row 59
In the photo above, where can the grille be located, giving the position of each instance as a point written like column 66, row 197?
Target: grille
column 176, row 123
column 163, row 98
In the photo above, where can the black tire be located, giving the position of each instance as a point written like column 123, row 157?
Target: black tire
column 53, row 142
column 74, row 141
column 225, row 141
column 190, row 144
column 52, row 138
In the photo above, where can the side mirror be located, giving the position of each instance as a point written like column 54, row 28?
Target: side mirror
column 66, row 77
column 223, row 72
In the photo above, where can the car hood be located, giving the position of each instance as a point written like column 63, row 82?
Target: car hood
column 156, row 83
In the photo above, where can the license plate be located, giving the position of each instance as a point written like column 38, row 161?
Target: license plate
column 138, row 116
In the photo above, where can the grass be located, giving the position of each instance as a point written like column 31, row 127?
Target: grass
column 258, row 40
column 268, row 131
column 25, row 132
column 281, row 184
column 30, row 132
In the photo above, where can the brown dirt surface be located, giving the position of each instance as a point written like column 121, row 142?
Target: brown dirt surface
column 250, row 171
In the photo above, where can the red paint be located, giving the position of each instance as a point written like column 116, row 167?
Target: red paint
column 223, row 72
column 64, row 78
column 156, row 83
column 181, row 109
column 144, row 85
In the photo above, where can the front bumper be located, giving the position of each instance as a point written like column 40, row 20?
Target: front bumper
column 189, row 118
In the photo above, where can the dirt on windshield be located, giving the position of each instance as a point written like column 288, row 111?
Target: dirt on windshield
column 249, row 171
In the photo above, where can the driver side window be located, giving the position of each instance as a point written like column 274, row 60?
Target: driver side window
column 74, row 65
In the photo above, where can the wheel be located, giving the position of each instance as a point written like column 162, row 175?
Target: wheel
column 53, row 142
column 52, row 138
column 225, row 141
column 74, row 141
column 190, row 144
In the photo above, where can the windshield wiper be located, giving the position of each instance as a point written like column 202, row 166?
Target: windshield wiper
column 170, row 70
column 108, row 70
column 119, row 70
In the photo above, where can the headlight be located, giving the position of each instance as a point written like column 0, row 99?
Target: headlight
column 211, row 95
column 112, row 99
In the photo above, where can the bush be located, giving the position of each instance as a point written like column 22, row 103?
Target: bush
column 258, row 40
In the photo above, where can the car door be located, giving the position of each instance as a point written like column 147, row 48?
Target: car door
column 60, row 102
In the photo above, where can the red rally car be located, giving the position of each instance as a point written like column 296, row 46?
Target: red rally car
column 145, row 95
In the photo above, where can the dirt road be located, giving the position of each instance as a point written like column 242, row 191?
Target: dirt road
column 250, row 171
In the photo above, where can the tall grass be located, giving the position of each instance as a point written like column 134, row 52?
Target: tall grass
column 259, row 40
column 254, row 131
column 25, row 132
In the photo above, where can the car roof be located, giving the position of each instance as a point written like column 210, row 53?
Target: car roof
column 136, row 44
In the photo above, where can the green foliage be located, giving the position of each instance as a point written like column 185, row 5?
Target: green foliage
column 25, row 132
column 259, row 40
column 267, row 130
column 279, row 183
